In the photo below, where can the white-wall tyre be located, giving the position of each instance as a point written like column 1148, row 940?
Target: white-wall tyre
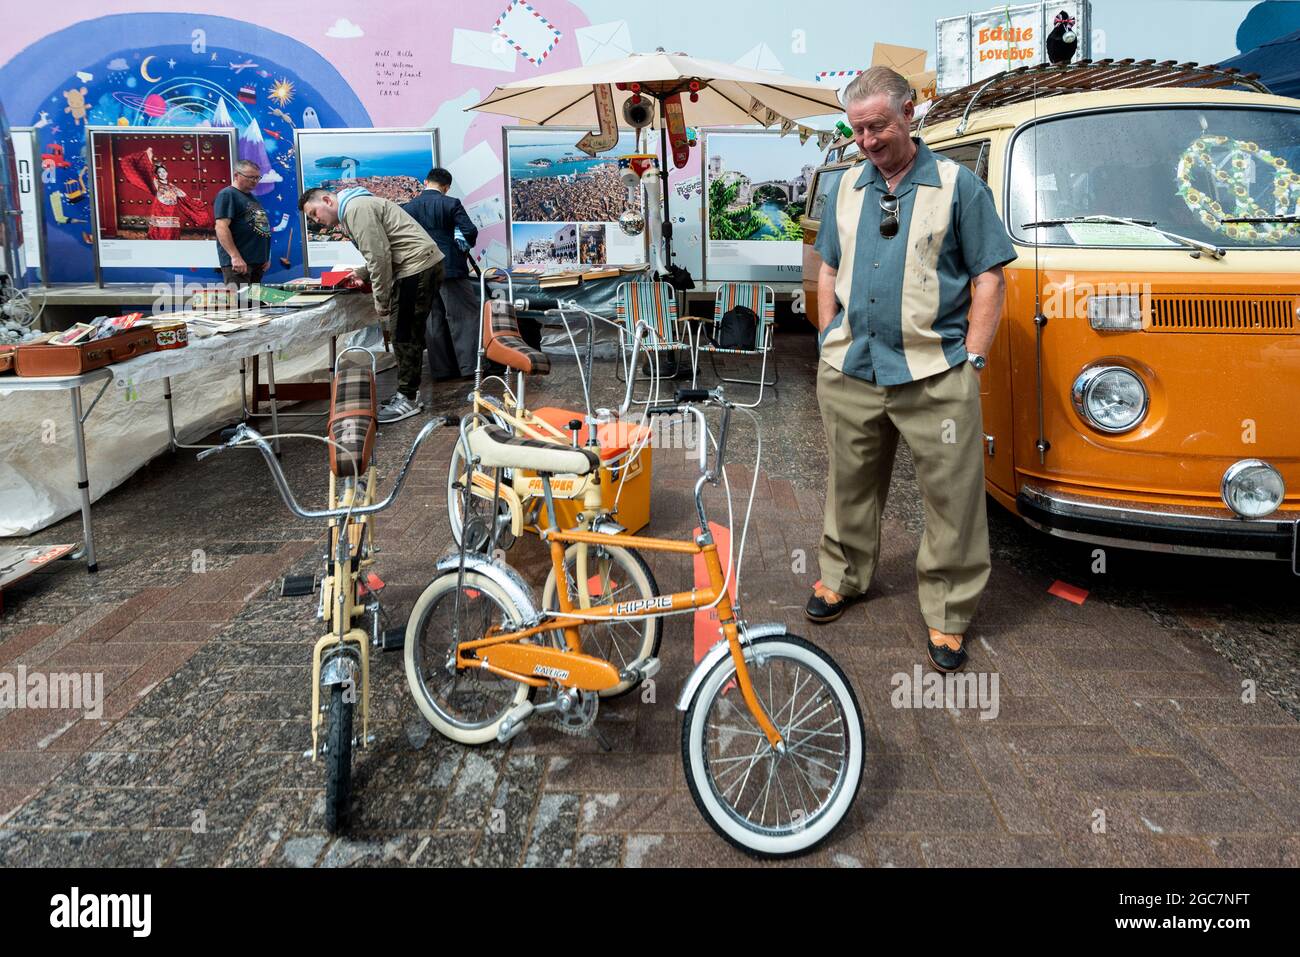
column 712, row 777
column 458, row 727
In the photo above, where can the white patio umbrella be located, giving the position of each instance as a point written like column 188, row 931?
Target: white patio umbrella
column 725, row 95
column 726, row 92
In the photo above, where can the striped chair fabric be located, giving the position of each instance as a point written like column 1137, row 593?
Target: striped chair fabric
column 656, row 303
column 755, row 296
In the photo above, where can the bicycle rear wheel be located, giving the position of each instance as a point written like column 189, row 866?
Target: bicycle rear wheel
column 770, row 804
column 480, row 509
column 467, row 704
column 614, row 574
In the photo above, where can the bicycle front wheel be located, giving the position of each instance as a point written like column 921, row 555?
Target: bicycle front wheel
column 770, row 804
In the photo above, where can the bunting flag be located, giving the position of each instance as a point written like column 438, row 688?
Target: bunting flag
column 824, row 139
column 770, row 117
column 786, row 126
column 804, row 133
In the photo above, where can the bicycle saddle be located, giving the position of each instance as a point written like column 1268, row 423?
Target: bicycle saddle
column 352, row 420
column 504, row 342
column 497, row 448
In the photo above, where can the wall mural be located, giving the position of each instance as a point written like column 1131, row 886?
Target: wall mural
column 260, row 97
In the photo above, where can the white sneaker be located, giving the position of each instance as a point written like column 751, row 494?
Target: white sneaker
column 397, row 408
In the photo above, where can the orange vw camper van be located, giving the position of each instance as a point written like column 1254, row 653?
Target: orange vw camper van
column 1144, row 386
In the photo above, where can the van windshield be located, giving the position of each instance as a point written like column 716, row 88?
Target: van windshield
column 1185, row 169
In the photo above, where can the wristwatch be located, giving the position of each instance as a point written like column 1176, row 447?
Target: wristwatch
column 977, row 360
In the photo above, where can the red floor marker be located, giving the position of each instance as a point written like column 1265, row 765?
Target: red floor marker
column 1069, row 592
column 706, row 619
column 595, row 589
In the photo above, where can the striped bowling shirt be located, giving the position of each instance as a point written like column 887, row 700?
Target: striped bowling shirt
column 907, row 297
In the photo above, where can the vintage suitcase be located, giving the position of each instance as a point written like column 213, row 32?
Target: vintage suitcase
column 7, row 359
column 51, row 360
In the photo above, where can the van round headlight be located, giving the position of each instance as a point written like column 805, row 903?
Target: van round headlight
column 1110, row 398
column 1252, row 489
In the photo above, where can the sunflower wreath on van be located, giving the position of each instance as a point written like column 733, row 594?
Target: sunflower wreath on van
column 1235, row 175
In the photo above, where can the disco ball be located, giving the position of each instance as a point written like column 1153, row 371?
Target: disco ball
column 631, row 222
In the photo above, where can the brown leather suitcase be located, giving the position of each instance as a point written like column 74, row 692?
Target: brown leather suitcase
column 6, row 359
column 52, row 360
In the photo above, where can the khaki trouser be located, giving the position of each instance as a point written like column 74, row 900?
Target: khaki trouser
column 940, row 418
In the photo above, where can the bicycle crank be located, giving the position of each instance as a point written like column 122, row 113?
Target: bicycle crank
column 575, row 711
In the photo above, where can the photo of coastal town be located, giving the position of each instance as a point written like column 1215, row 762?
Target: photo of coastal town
column 391, row 164
column 755, row 187
column 551, row 182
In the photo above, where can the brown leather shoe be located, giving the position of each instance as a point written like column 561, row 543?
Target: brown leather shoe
column 946, row 652
column 825, row 605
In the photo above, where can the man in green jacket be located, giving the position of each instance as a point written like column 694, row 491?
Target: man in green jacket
column 404, row 268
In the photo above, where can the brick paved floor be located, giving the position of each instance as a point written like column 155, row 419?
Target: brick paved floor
column 1129, row 705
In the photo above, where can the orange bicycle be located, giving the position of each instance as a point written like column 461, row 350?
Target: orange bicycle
column 772, row 742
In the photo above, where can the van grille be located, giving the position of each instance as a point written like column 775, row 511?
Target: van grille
column 1197, row 312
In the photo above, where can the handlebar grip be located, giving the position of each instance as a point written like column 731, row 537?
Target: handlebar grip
column 663, row 410
column 693, row 395
column 206, row 452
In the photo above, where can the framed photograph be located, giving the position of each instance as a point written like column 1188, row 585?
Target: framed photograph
column 27, row 161
column 562, row 206
column 391, row 163
column 153, row 192
column 755, row 185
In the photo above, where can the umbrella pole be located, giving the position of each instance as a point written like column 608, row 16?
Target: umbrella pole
column 663, row 168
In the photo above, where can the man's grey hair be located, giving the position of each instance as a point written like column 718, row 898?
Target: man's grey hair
column 249, row 165
column 877, row 80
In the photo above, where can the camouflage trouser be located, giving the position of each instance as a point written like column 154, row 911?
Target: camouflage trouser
column 414, row 297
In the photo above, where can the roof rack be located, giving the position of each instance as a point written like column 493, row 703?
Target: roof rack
column 1083, row 76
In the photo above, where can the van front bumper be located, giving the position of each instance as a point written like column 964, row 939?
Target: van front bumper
column 1180, row 530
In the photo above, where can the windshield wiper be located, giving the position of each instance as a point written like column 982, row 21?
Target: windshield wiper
column 1261, row 219
column 1197, row 247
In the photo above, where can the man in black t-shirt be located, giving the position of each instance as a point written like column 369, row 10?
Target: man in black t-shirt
column 243, row 229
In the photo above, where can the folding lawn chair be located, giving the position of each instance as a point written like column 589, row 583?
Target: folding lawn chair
column 762, row 300
column 656, row 304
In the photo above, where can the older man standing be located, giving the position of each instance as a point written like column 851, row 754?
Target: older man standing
column 909, row 298
column 243, row 229
column 404, row 268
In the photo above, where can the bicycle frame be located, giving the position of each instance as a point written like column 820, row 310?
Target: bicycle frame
column 573, row 668
column 340, row 608
column 506, row 656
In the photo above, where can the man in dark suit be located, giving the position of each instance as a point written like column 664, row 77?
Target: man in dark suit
column 452, row 336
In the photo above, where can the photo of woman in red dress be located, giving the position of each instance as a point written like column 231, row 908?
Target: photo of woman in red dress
column 172, row 209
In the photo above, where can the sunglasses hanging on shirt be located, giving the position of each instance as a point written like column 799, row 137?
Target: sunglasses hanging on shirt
column 889, row 216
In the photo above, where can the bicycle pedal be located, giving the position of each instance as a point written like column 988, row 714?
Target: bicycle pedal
column 641, row 672
column 393, row 639
column 295, row 586
column 514, row 721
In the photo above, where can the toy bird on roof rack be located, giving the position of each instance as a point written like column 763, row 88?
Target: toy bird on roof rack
column 1062, row 42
